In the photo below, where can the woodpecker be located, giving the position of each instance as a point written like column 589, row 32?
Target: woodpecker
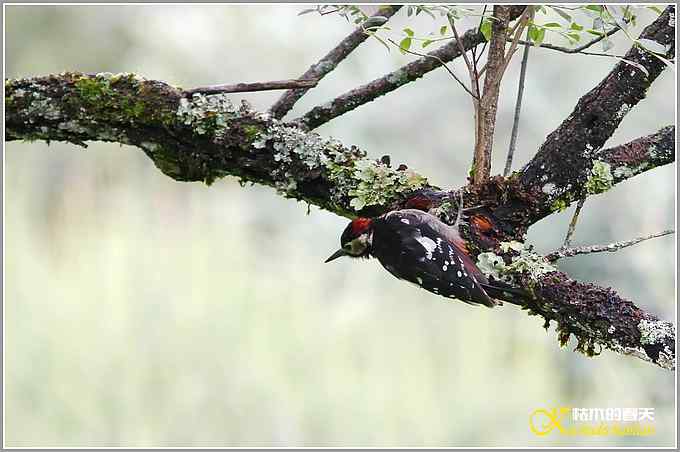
column 417, row 247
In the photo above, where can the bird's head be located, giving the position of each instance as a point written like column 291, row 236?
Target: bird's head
column 355, row 240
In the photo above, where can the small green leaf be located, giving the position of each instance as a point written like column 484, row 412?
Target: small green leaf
column 532, row 32
column 574, row 36
column 596, row 8
column 552, row 25
column 575, row 26
column 540, row 36
column 427, row 42
column 408, row 32
column 564, row 15
column 485, row 29
column 535, row 34
column 656, row 9
column 594, row 32
column 442, row 30
column 375, row 21
column 404, row 45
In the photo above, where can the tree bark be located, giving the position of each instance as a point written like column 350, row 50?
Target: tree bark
column 570, row 157
column 204, row 138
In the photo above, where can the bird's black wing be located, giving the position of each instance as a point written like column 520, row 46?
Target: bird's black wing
column 421, row 255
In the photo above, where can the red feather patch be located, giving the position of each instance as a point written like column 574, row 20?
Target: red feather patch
column 360, row 225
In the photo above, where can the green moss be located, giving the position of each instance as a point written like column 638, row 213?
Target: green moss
column 252, row 131
column 93, row 90
column 114, row 97
column 559, row 205
column 600, row 179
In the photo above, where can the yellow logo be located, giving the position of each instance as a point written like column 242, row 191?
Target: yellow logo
column 542, row 421
column 592, row 421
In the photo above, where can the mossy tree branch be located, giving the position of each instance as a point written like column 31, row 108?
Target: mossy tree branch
column 204, row 138
column 564, row 165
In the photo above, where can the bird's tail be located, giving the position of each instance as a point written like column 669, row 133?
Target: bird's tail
column 505, row 292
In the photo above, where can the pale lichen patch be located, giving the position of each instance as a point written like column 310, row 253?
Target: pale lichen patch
column 42, row 106
column 523, row 261
column 655, row 331
column 492, row 265
column 207, row 113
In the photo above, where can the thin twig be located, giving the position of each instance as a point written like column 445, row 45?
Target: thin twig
column 518, row 109
column 611, row 248
column 474, row 79
column 380, row 86
column 479, row 27
column 247, row 87
column 518, row 29
column 463, row 53
column 515, row 39
column 440, row 62
column 572, row 223
column 579, row 49
column 475, row 58
column 328, row 63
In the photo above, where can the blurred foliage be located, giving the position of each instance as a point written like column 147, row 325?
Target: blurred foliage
column 146, row 312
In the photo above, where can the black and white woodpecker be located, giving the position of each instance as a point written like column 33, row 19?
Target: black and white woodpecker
column 416, row 246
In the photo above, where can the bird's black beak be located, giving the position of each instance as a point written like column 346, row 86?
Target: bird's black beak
column 337, row 254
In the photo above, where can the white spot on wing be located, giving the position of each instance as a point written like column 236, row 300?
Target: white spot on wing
column 444, row 267
column 460, row 275
column 404, row 220
column 428, row 244
column 420, row 280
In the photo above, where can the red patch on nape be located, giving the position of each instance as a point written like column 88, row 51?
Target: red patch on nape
column 360, row 225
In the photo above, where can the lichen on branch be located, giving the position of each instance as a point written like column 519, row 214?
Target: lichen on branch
column 570, row 164
column 597, row 317
column 204, row 138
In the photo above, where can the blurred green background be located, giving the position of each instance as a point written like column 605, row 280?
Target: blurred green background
column 141, row 311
